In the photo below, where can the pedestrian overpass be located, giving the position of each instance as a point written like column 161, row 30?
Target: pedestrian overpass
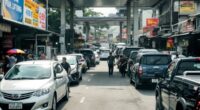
column 131, row 5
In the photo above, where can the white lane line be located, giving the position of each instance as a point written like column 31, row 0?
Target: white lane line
column 82, row 100
column 89, row 80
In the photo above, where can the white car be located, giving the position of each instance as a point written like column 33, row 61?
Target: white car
column 97, row 58
column 82, row 61
column 34, row 85
column 104, row 54
column 75, row 73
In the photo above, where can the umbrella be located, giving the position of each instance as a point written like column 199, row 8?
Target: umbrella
column 15, row 51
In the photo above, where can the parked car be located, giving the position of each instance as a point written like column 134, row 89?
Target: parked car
column 127, row 50
column 131, row 61
column 89, row 56
column 104, row 54
column 147, row 66
column 180, row 90
column 125, row 53
column 34, row 85
column 148, row 51
column 75, row 73
column 97, row 57
column 82, row 61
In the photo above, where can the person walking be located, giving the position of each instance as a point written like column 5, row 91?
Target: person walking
column 65, row 65
column 111, row 61
column 122, row 65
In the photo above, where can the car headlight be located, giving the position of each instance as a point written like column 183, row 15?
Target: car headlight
column 41, row 92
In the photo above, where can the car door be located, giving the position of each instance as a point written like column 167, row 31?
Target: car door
column 166, row 86
column 60, row 81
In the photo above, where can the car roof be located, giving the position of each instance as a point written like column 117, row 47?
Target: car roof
column 37, row 62
column 148, row 50
column 153, row 54
column 76, row 54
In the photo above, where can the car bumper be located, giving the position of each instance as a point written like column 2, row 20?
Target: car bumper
column 32, row 103
column 148, row 80
column 73, row 77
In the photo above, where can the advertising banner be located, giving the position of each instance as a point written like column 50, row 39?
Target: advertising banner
column 26, row 12
column 42, row 18
column 12, row 10
column 152, row 22
column 187, row 7
column 31, row 11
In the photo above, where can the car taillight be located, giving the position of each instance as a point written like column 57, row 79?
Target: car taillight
column 197, row 105
column 140, row 71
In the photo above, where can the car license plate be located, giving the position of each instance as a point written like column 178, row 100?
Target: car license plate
column 154, row 80
column 15, row 106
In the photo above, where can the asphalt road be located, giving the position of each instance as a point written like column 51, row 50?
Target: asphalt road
column 97, row 91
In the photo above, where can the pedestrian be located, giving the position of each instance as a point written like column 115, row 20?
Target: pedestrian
column 6, row 64
column 122, row 65
column 12, row 61
column 65, row 65
column 111, row 61
column 29, row 57
column 42, row 56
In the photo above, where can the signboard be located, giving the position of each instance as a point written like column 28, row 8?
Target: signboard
column 152, row 22
column 187, row 7
column 42, row 18
column 12, row 10
column 31, row 11
column 26, row 12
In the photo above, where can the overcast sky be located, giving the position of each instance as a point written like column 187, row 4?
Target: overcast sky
column 106, row 11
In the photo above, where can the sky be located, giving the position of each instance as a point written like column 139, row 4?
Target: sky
column 106, row 11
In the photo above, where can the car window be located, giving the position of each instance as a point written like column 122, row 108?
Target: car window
column 127, row 51
column 188, row 66
column 59, row 68
column 171, row 68
column 20, row 72
column 156, row 60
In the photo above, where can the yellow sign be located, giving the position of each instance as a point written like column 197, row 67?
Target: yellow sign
column 31, row 13
column 187, row 7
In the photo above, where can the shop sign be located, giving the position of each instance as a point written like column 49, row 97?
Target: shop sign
column 170, row 43
column 187, row 7
column 5, row 27
column 187, row 26
column 152, row 22
column 12, row 10
column 26, row 12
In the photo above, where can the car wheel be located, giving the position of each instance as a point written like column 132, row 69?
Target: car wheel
column 136, row 82
column 54, row 103
column 158, row 104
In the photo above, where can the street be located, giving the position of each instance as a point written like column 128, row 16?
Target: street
column 97, row 91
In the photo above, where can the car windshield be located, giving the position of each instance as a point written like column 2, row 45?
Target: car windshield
column 71, row 60
column 188, row 66
column 156, row 60
column 127, row 51
column 105, row 51
column 22, row 72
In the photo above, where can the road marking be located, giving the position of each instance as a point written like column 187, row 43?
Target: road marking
column 82, row 99
column 89, row 80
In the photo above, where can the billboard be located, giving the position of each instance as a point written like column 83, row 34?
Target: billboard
column 187, row 7
column 152, row 22
column 26, row 12
column 12, row 10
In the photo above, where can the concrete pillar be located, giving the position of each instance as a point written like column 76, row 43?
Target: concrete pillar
column 120, row 30
column 135, row 20
column 63, row 27
column 129, row 21
column 72, row 26
column 87, row 27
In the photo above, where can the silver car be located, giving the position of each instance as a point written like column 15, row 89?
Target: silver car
column 34, row 85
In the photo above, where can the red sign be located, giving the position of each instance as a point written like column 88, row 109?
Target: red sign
column 152, row 21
